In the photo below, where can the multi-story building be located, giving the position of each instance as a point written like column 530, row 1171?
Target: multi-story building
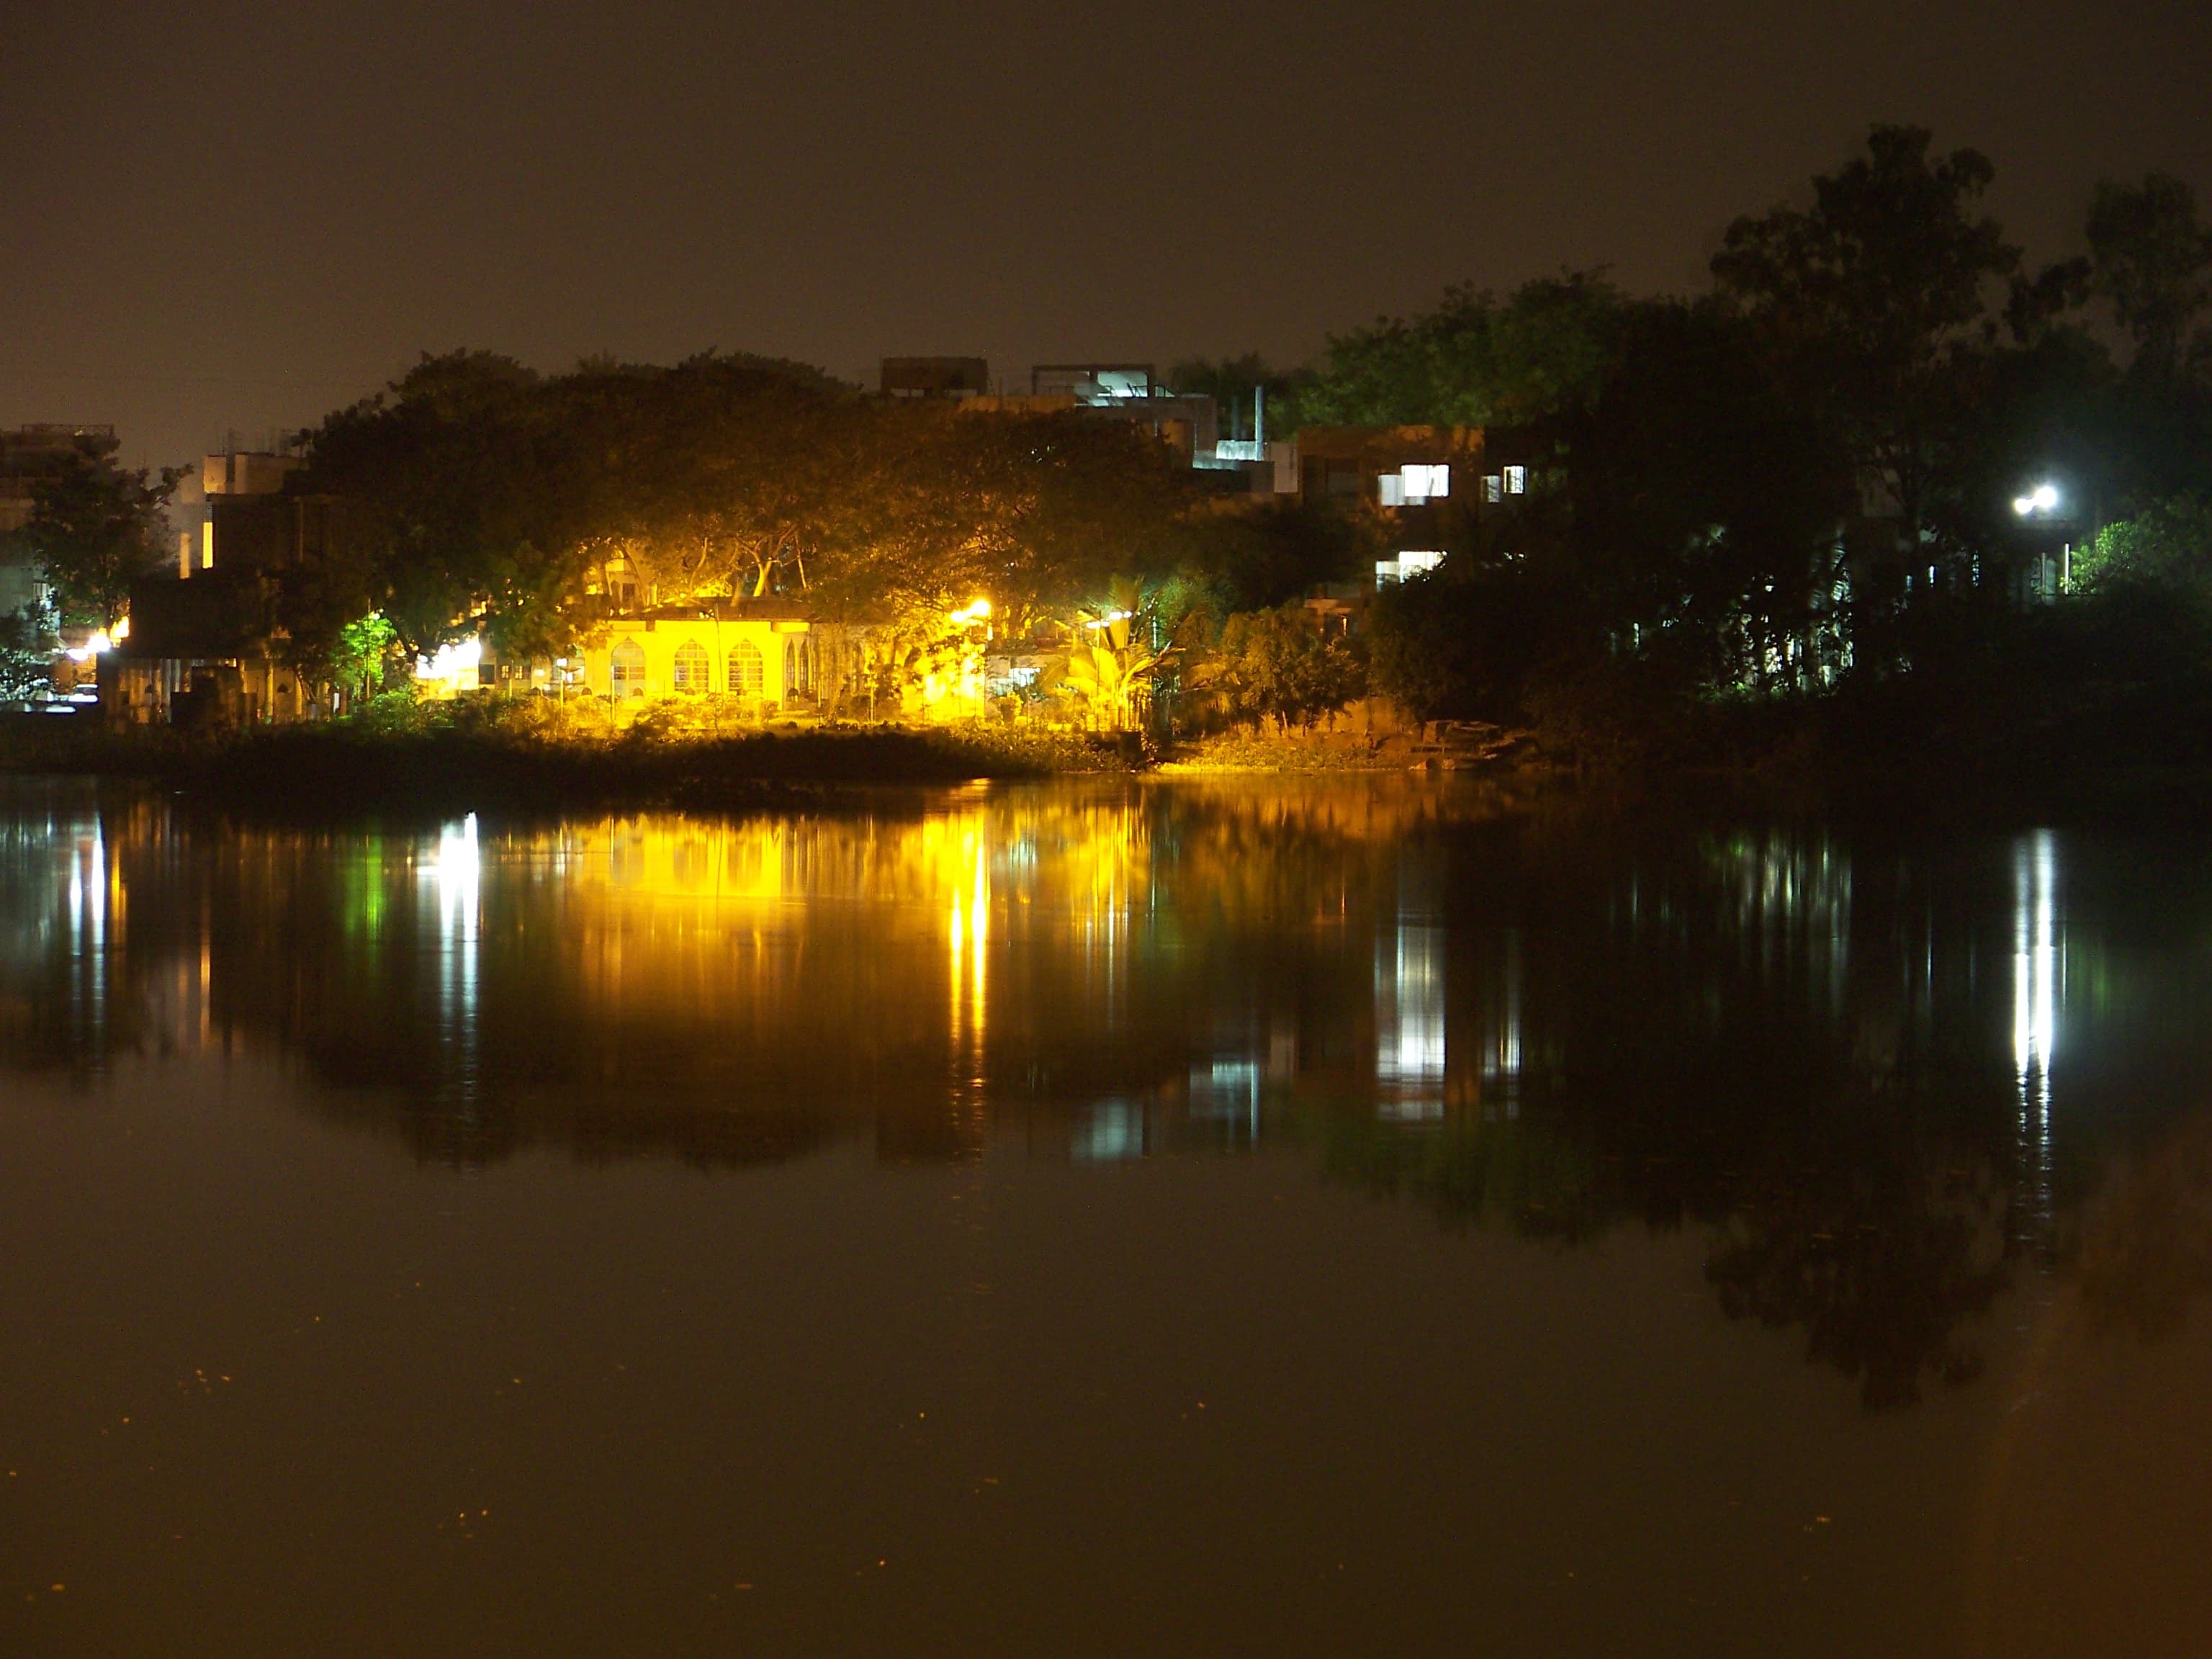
column 29, row 454
column 203, row 645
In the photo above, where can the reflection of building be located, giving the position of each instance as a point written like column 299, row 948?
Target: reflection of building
column 1409, row 1005
column 1034, row 950
column 1500, row 1048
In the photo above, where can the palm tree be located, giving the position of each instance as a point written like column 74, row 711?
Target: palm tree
column 1119, row 646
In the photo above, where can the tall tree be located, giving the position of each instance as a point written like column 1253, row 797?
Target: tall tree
column 1248, row 392
column 1704, row 503
column 1475, row 359
column 1876, row 301
column 95, row 528
column 2151, row 261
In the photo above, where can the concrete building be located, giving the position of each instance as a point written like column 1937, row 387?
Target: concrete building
column 762, row 656
column 935, row 377
column 1117, row 392
column 204, row 647
column 27, row 455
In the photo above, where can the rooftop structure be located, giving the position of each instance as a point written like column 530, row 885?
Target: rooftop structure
column 935, row 377
column 29, row 453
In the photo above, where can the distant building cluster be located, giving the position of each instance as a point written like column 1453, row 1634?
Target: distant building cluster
column 202, row 647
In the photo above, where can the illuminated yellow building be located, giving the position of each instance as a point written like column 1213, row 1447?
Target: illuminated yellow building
column 765, row 654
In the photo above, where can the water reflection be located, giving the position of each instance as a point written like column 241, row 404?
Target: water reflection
column 2038, row 967
column 455, row 872
column 1546, row 1026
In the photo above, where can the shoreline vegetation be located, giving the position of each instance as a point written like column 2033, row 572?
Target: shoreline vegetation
column 1841, row 764
column 1884, row 523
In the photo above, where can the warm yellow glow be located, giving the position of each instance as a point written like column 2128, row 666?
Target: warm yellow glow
column 996, row 922
column 959, row 848
column 100, row 641
column 121, row 631
column 980, row 610
column 455, row 663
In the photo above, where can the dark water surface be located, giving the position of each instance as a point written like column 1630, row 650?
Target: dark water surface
column 1170, row 1219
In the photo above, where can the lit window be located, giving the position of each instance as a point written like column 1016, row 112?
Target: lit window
column 1426, row 483
column 626, row 669
column 747, row 672
column 1418, row 563
column 1493, row 488
column 1516, row 480
column 1390, row 488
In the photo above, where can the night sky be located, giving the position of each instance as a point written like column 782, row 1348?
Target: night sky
column 228, row 217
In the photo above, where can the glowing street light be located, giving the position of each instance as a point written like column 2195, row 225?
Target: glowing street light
column 979, row 611
column 99, row 643
column 2042, row 499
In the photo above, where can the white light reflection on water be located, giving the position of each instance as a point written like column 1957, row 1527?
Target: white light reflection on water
column 1409, row 1010
column 1226, row 1091
column 2037, row 975
column 1108, row 1131
column 87, row 933
column 457, row 872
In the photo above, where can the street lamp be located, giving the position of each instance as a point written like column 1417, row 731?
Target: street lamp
column 2041, row 502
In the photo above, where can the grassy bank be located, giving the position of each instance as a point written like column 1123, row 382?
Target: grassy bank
column 1867, row 759
column 444, row 766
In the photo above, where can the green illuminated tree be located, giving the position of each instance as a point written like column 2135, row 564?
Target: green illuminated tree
column 357, row 662
column 2167, row 548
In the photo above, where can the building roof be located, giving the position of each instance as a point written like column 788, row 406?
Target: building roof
column 775, row 608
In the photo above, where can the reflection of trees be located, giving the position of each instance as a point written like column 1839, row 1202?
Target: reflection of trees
column 1542, row 1024
column 1881, row 1251
column 1741, row 1040
column 2146, row 1238
column 1523, row 1177
column 719, row 989
column 1878, row 1258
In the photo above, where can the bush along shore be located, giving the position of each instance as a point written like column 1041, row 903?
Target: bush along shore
column 1980, row 754
column 467, row 759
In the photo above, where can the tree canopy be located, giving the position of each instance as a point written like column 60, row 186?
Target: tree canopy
column 95, row 528
column 480, row 495
column 1475, row 359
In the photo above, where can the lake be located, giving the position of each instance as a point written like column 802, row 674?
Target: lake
column 1239, row 1216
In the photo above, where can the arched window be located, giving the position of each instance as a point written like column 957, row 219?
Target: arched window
column 798, row 668
column 626, row 669
column 747, row 672
column 693, row 666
